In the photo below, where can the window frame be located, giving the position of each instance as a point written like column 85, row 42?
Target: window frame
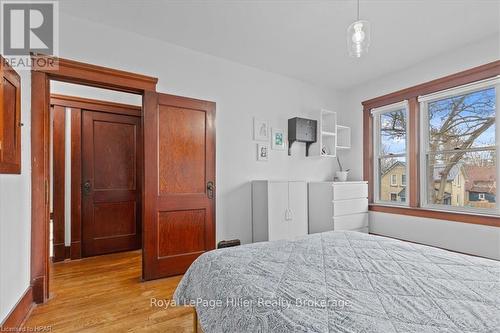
column 375, row 115
column 481, row 72
column 424, row 100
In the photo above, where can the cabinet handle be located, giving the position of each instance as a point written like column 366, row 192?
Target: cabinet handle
column 288, row 214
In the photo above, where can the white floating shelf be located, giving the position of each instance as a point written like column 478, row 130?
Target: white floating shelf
column 343, row 137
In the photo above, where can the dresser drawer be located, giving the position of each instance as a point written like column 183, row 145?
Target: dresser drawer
column 349, row 191
column 347, row 207
column 350, row 222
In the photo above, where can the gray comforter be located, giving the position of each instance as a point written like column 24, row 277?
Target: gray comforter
column 342, row 282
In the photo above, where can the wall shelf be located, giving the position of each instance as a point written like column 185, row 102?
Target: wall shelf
column 326, row 144
column 343, row 137
column 331, row 136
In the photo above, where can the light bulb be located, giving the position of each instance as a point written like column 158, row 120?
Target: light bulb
column 359, row 35
column 358, row 38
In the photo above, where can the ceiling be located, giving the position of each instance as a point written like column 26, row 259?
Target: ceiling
column 304, row 39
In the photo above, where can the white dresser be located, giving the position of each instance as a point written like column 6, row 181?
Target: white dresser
column 279, row 209
column 338, row 206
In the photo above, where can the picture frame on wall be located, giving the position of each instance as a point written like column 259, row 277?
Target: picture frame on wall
column 260, row 130
column 278, row 139
column 262, row 152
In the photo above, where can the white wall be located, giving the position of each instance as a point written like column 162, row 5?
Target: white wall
column 469, row 238
column 15, row 217
column 476, row 239
column 241, row 92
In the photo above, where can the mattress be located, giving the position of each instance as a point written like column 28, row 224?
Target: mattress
column 342, row 282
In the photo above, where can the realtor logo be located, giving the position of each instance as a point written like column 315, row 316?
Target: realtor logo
column 28, row 27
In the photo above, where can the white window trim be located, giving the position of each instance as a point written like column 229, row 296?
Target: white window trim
column 403, row 183
column 424, row 147
column 395, row 177
column 375, row 113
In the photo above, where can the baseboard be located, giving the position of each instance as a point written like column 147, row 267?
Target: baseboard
column 19, row 313
column 38, row 289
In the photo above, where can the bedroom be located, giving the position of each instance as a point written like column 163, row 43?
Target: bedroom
column 261, row 62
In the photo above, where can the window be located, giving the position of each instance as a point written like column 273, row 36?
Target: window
column 440, row 141
column 459, row 146
column 390, row 150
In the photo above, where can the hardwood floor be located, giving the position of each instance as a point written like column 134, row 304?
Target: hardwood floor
column 105, row 294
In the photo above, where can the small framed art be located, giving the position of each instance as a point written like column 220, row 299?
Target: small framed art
column 262, row 152
column 260, row 130
column 278, row 139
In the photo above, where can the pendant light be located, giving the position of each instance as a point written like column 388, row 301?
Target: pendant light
column 358, row 37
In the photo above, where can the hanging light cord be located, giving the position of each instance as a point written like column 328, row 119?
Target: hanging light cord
column 358, row 11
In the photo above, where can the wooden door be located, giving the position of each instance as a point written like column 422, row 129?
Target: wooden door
column 179, row 183
column 111, row 193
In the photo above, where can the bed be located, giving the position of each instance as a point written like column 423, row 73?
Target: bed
column 342, row 282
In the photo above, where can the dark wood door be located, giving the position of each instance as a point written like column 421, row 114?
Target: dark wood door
column 111, row 193
column 179, row 183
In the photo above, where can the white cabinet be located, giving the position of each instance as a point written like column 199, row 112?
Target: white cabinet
column 338, row 206
column 279, row 209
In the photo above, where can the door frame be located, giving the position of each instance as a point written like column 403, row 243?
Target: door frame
column 77, row 104
column 72, row 72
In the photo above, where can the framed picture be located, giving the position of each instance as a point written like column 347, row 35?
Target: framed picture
column 260, row 130
column 278, row 139
column 262, row 152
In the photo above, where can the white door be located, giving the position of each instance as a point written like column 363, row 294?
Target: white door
column 297, row 226
column 278, row 204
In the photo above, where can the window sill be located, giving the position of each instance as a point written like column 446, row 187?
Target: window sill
column 463, row 217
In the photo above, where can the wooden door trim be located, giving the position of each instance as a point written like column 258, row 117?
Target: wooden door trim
column 73, row 72
column 95, row 105
column 59, row 181
column 97, row 76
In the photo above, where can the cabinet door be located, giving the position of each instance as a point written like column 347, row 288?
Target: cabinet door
column 10, row 119
column 297, row 226
column 277, row 206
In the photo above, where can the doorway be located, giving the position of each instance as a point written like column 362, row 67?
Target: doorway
column 178, row 211
column 96, row 165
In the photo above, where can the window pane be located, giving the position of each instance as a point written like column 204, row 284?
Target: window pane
column 391, row 170
column 392, row 132
column 462, row 179
column 464, row 121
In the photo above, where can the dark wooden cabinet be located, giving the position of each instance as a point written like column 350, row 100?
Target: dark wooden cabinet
column 10, row 119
